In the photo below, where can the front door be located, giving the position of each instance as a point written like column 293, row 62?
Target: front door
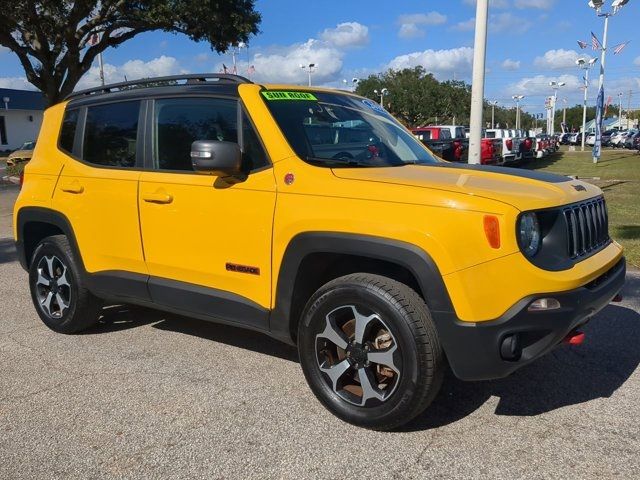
column 207, row 242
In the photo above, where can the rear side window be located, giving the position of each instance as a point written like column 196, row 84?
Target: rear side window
column 110, row 134
column 68, row 130
column 445, row 135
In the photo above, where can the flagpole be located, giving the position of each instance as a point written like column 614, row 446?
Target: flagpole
column 584, row 107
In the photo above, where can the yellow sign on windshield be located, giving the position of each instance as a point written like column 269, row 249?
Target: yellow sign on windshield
column 289, row 96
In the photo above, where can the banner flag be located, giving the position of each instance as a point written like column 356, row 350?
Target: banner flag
column 597, row 146
column 595, row 43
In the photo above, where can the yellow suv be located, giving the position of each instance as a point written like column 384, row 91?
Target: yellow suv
column 313, row 216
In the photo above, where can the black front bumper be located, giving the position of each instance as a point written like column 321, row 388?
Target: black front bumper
column 474, row 349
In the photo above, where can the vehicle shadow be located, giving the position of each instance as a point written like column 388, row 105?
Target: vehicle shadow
column 7, row 250
column 566, row 376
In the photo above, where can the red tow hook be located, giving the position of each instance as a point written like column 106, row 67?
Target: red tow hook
column 617, row 298
column 574, row 338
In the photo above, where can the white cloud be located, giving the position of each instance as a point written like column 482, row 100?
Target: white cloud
column 539, row 85
column 132, row 70
column 637, row 61
column 442, row 63
column 466, row 26
column 411, row 25
column 282, row 64
column 492, row 3
column 18, row 83
column 348, row 34
column 540, row 4
column 410, row 30
column 509, row 64
column 508, row 22
column 555, row 59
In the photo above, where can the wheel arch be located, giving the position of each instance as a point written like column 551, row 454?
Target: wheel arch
column 36, row 223
column 312, row 259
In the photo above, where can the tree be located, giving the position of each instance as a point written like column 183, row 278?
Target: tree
column 51, row 38
column 417, row 98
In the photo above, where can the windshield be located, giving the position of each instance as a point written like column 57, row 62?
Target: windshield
column 334, row 130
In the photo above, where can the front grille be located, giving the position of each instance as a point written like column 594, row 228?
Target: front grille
column 587, row 227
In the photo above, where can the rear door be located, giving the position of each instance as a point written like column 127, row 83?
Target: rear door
column 207, row 241
column 97, row 189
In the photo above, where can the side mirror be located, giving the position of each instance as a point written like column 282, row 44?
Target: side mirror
column 222, row 159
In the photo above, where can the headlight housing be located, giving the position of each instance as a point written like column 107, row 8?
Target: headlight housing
column 529, row 235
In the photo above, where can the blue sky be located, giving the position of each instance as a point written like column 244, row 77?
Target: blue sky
column 530, row 43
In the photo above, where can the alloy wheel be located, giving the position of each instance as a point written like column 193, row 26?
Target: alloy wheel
column 358, row 356
column 53, row 289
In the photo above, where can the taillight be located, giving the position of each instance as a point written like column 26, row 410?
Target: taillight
column 457, row 149
column 509, row 144
column 527, row 144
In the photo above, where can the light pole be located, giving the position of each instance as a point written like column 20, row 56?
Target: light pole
column 620, row 111
column 6, row 102
column 564, row 114
column 585, row 64
column 383, row 93
column 493, row 104
column 597, row 6
column 555, row 86
column 517, row 98
column 354, row 83
column 477, row 89
column 309, row 69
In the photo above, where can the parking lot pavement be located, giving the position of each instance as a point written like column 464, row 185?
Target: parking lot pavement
column 149, row 395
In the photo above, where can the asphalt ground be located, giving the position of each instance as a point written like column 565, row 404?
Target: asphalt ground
column 150, row 395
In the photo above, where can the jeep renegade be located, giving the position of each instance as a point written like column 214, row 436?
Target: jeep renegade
column 313, row 216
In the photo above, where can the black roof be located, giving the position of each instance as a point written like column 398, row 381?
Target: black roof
column 22, row 99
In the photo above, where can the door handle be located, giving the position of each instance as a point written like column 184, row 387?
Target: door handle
column 157, row 197
column 72, row 187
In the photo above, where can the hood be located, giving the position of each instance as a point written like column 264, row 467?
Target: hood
column 522, row 189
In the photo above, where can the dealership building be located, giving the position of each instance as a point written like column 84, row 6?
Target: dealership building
column 20, row 117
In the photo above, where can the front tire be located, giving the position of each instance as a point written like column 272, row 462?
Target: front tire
column 59, row 295
column 369, row 351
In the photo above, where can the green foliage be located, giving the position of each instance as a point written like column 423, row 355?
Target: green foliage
column 574, row 116
column 51, row 38
column 417, row 98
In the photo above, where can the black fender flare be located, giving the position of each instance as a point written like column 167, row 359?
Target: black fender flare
column 47, row 216
column 404, row 254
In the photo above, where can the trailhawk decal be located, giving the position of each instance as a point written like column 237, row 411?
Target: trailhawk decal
column 289, row 96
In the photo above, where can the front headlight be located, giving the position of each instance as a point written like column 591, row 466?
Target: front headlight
column 529, row 234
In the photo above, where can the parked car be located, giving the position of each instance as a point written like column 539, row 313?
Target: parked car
column 491, row 150
column 630, row 138
column 510, row 144
column 616, row 137
column 541, row 146
column 575, row 138
column 591, row 139
column 439, row 140
column 22, row 154
column 564, row 139
column 606, row 137
column 230, row 204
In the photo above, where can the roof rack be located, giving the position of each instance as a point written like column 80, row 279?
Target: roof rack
column 190, row 79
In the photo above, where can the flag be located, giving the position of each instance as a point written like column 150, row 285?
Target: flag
column 606, row 106
column 251, row 70
column 595, row 43
column 582, row 44
column 597, row 146
column 618, row 49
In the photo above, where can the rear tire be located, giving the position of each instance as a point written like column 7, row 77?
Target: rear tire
column 370, row 351
column 59, row 295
